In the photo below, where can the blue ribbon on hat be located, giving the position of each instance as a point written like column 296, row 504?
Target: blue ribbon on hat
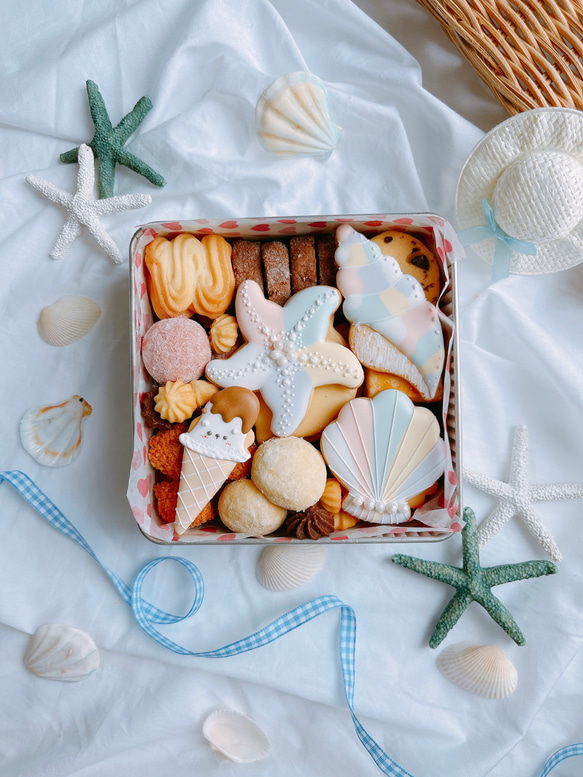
column 505, row 244
column 147, row 614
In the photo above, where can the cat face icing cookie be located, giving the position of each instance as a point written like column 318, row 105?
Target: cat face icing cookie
column 286, row 355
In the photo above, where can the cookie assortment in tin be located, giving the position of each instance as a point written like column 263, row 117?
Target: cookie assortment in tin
column 293, row 295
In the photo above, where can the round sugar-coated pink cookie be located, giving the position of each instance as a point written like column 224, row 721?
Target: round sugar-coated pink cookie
column 176, row 349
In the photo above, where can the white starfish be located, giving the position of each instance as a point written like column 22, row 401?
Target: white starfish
column 517, row 497
column 83, row 210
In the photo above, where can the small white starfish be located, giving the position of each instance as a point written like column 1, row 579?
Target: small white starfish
column 517, row 497
column 83, row 210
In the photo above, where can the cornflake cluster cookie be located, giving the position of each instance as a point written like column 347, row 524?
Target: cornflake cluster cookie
column 288, row 376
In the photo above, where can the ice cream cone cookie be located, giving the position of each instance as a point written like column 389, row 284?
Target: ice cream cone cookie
column 213, row 446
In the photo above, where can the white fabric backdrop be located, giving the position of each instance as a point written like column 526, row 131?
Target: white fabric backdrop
column 204, row 65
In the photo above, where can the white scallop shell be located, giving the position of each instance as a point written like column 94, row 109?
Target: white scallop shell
column 283, row 567
column 236, row 736
column 52, row 434
column 480, row 669
column 292, row 118
column 59, row 652
column 384, row 450
column 67, row 320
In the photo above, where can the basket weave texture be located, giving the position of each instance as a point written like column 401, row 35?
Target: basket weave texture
column 528, row 52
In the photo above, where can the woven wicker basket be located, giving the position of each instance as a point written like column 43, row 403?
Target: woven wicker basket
column 529, row 52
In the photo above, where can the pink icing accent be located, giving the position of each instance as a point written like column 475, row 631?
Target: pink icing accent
column 261, row 228
column 271, row 313
column 451, row 476
column 136, row 460
column 403, row 221
column 417, row 321
column 229, row 225
column 144, row 485
column 174, row 226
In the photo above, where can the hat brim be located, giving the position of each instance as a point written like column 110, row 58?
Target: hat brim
column 539, row 129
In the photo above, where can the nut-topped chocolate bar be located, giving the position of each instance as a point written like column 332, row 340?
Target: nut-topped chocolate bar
column 294, row 386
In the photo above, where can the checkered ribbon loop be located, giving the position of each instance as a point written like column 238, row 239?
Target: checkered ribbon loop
column 147, row 615
column 561, row 755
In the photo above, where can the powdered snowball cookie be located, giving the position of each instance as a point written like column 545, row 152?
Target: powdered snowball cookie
column 176, row 349
column 290, row 472
column 243, row 508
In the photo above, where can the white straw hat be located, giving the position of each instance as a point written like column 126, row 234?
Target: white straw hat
column 519, row 197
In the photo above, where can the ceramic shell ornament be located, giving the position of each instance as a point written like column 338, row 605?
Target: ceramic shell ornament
column 236, row 736
column 384, row 451
column 377, row 293
column 59, row 652
column 67, row 320
column 293, row 118
column 482, row 670
column 282, row 568
column 52, row 434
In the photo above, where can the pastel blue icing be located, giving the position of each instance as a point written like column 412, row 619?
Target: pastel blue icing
column 392, row 412
column 304, row 304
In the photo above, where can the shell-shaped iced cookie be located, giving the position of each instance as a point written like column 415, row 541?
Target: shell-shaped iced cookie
column 378, row 294
column 67, row 320
column 480, row 669
column 384, row 451
column 236, row 736
column 52, row 434
column 284, row 567
column 59, row 652
column 292, row 118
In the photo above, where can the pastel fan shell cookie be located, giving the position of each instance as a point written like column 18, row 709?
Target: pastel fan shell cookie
column 286, row 354
column 292, row 118
column 378, row 294
column 384, row 451
column 52, row 434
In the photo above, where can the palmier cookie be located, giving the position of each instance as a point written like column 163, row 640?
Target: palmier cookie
column 414, row 259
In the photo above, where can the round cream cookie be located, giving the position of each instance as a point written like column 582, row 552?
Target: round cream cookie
column 243, row 508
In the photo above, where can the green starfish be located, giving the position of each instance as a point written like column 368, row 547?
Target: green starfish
column 473, row 583
column 108, row 142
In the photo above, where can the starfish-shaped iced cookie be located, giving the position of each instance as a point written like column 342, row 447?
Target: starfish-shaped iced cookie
column 473, row 583
column 108, row 142
column 517, row 497
column 286, row 354
column 83, row 210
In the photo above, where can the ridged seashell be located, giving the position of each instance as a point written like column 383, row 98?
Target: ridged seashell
column 176, row 401
column 52, row 434
column 203, row 391
column 384, row 451
column 67, row 320
column 223, row 333
column 283, row 567
column 480, row 669
column 331, row 499
column 59, row 652
column 293, row 119
column 236, row 736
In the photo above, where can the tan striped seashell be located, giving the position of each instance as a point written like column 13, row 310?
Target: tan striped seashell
column 67, row 320
column 283, row 567
column 331, row 499
column 482, row 670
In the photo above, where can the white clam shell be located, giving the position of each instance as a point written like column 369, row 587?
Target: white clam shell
column 67, row 320
column 52, row 434
column 480, row 669
column 236, row 736
column 292, row 118
column 283, row 567
column 59, row 652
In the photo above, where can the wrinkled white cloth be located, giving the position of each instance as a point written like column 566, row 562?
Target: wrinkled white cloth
column 205, row 64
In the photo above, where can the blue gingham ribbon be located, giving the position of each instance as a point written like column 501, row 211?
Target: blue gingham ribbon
column 561, row 755
column 147, row 615
column 505, row 244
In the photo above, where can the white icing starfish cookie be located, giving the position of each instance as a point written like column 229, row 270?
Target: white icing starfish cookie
column 517, row 497
column 83, row 210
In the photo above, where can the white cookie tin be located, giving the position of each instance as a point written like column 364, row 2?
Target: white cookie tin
column 441, row 515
